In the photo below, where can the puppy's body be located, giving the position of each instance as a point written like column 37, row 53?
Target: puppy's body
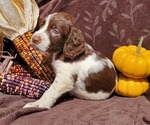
column 79, row 69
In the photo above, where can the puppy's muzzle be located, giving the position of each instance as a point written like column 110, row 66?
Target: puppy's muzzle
column 36, row 39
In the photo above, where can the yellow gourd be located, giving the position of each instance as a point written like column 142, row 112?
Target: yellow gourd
column 133, row 61
column 130, row 87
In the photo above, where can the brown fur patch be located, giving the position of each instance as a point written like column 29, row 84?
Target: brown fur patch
column 99, row 81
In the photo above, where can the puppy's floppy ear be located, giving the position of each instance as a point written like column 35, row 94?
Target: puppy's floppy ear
column 75, row 43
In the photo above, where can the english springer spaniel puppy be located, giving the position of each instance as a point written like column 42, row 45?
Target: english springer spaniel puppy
column 79, row 69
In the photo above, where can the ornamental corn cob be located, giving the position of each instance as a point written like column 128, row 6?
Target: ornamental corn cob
column 22, row 84
column 35, row 60
column 18, row 69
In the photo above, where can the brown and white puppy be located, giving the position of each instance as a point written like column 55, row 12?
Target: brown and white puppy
column 79, row 69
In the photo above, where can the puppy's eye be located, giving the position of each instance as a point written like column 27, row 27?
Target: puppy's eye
column 55, row 31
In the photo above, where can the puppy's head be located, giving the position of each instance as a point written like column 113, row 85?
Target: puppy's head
column 59, row 34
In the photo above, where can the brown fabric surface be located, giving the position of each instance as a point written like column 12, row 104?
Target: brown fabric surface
column 113, row 111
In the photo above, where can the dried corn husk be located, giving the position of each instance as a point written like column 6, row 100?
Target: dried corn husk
column 18, row 19
column 7, row 62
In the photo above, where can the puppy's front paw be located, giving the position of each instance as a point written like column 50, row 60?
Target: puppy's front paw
column 38, row 104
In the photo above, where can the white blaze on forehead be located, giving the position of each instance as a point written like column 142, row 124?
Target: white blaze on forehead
column 42, row 32
column 45, row 26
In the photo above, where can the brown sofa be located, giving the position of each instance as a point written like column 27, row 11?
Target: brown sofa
column 106, row 24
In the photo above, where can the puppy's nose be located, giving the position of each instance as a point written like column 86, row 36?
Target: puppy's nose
column 36, row 39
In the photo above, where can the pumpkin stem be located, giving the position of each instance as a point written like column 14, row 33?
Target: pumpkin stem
column 138, row 50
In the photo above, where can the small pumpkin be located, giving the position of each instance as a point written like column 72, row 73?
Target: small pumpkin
column 133, row 61
column 131, row 87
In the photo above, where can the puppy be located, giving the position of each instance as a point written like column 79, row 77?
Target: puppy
column 79, row 69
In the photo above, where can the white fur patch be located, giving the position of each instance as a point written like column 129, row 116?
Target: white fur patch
column 90, row 96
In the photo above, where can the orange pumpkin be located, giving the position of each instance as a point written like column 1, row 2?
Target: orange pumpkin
column 132, row 61
column 131, row 87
